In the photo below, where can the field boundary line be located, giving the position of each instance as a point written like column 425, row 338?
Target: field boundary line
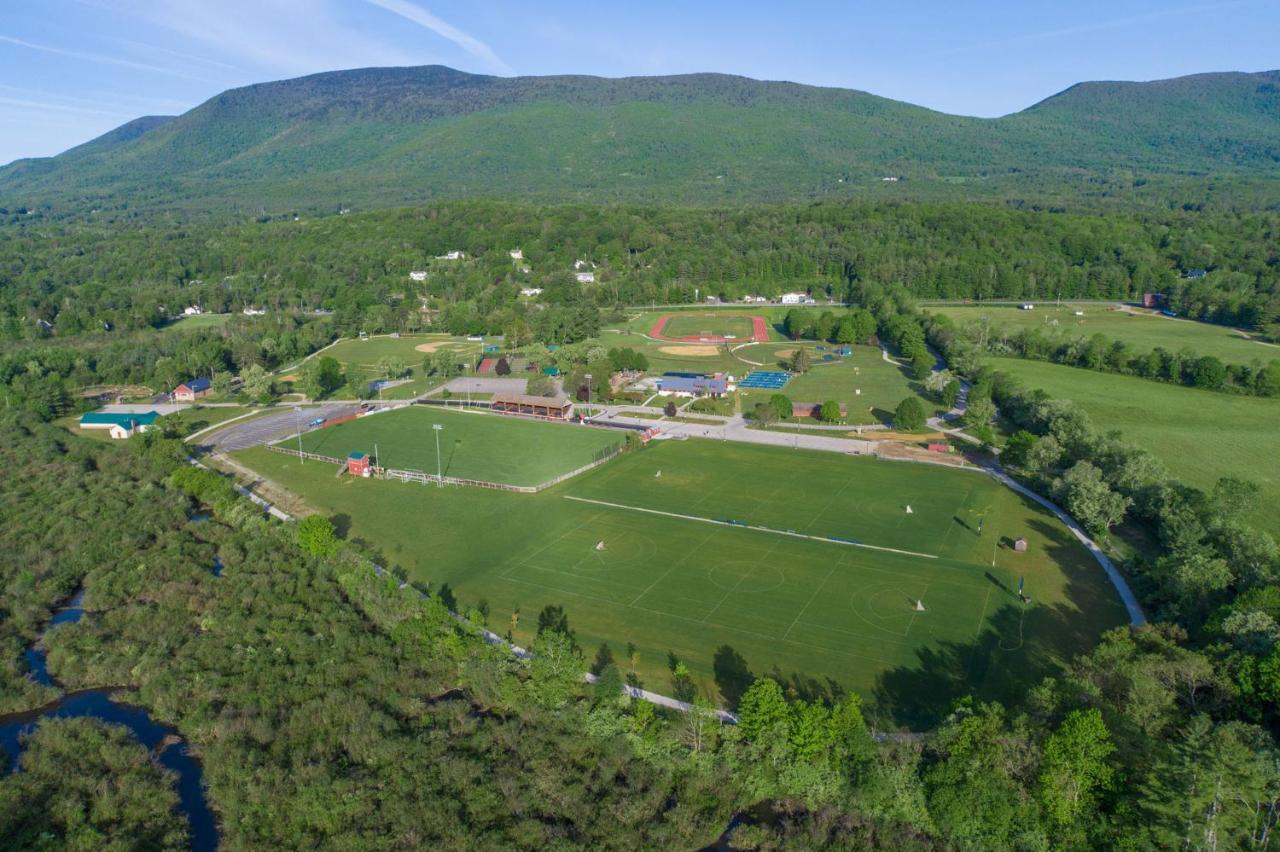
column 812, row 598
column 757, row 528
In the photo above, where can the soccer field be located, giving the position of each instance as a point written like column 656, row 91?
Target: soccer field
column 473, row 445
column 708, row 325
column 806, row 564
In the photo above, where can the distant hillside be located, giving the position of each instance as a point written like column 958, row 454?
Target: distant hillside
column 391, row 136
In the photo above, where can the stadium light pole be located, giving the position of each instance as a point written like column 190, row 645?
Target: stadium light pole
column 587, row 376
column 298, row 428
column 436, row 427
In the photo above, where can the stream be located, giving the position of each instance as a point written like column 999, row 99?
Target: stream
column 164, row 741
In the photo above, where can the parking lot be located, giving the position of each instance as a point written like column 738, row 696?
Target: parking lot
column 270, row 428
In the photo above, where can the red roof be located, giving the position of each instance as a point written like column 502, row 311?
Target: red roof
column 939, row 448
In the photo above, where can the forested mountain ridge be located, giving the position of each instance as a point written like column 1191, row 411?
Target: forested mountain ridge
column 391, row 136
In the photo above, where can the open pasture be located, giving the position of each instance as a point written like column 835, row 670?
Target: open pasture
column 1201, row 435
column 711, row 550
column 473, row 445
column 1143, row 330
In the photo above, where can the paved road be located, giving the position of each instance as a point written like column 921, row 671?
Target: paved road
column 270, row 428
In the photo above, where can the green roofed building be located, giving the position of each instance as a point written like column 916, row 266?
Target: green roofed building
column 121, row 423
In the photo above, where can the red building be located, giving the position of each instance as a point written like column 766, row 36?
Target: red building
column 938, row 448
column 359, row 464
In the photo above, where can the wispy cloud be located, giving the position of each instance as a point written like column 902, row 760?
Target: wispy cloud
column 99, row 58
column 1101, row 26
column 290, row 36
column 186, row 57
column 423, row 18
column 49, row 106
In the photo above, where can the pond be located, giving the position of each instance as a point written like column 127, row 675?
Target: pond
column 163, row 740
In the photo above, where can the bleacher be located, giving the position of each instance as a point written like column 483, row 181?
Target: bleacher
column 765, row 380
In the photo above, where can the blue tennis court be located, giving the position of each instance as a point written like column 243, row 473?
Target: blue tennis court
column 765, row 379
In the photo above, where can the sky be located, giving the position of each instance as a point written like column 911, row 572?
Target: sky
column 73, row 69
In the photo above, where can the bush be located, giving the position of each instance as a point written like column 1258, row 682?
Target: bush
column 316, row 535
column 909, row 415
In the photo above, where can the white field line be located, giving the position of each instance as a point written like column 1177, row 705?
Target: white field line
column 790, row 533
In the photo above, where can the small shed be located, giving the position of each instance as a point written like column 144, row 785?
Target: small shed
column 1020, row 545
column 359, row 464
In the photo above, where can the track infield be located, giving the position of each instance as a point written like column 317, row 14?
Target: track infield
column 713, row 327
column 634, row 560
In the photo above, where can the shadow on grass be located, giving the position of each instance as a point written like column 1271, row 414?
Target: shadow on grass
column 1017, row 647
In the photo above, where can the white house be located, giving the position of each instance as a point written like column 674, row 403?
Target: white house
column 452, row 255
column 797, row 299
column 516, row 254
column 192, row 311
column 530, row 291
column 583, row 264
column 418, row 275
column 254, row 312
column 585, row 277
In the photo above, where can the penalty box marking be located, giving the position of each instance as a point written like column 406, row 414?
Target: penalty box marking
column 790, row 533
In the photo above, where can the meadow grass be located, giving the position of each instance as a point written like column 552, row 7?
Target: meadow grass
column 473, row 445
column 1144, row 330
column 1201, row 435
column 630, row 551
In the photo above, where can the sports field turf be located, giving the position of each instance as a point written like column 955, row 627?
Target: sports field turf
column 708, row 325
column 1201, row 435
column 1144, row 330
column 473, row 445
column 633, row 552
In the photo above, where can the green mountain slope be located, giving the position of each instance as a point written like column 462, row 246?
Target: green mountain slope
column 386, row 136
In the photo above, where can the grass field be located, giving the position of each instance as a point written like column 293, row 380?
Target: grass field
column 472, row 445
column 195, row 323
column 1144, row 330
column 365, row 354
column 708, row 325
column 883, row 385
column 821, row 614
column 1201, row 435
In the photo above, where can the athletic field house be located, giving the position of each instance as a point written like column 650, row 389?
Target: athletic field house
column 899, row 581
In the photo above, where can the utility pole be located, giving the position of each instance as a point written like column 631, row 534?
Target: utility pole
column 436, row 427
column 298, row 428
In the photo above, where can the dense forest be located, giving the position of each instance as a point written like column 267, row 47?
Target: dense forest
column 68, row 280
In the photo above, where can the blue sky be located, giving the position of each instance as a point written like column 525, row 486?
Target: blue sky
column 72, row 69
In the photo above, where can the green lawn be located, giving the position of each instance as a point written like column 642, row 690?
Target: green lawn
column 819, row 614
column 473, row 445
column 883, row 384
column 1201, row 435
column 708, row 325
column 365, row 355
column 195, row 323
column 1143, row 330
